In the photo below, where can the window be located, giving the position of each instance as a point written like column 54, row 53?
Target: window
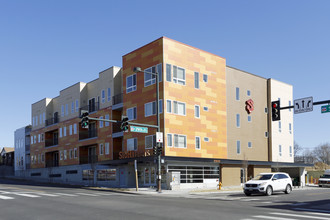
column 70, row 130
column 248, row 92
column 103, row 96
column 40, row 119
column 131, row 83
column 62, row 110
column 75, row 152
column 150, row 141
column 206, row 108
column 149, row 109
column 197, row 115
column 42, row 138
column 266, row 110
column 101, row 122
column 279, row 126
column 179, row 75
column 238, row 147
column 237, row 93
column 72, row 107
column 106, row 150
column 77, row 105
column 206, row 139
column 197, row 143
column 290, row 105
column 204, row 78
column 109, row 94
column 266, row 134
column 196, row 77
column 290, row 151
column 169, row 140
column 38, row 138
column 280, row 150
column 75, row 128
column 249, row 144
column 71, row 154
column 131, row 113
column 160, row 72
column 249, row 118
column 107, row 123
column 168, row 72
column 290, row 128
column 66, row 109
column 101, row 149
column 61, row 132
column 44, row 117
column 149, row 79
column 169, row 106
column 65, row 156
column 238, row 123
column 179, row 108
column 64, row 131
column 131, row 144
column 180, row 141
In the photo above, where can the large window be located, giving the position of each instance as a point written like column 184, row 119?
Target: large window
column 150, row 108
column 196, row 174
column 179, row 108
column 180, row 141
column 106, row 175
column 150, row 141
column 131, row 144
column 150, row 79
column 131, row 83
column 179, row 75
column 131, row 113
column 103, row 96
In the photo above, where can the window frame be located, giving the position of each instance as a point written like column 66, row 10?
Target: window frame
column 196, row 80
column 180, row 135
column 135, row 142
column 176, row 79
column 199, row 111
column 153, row 141
column 134, row 112
column 198, row 144
column 132, row 87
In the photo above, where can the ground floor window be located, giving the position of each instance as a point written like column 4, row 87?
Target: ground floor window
column 88, row 174
column 196, row 174
column 106, row 175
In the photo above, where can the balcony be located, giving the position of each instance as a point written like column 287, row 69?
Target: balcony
column 90, row 159
column 51, row 121
column 52, row 159
column 92, row 107
column 51, row 163
column 51, row 138
column 117, row 101
column 91, row 132
column 116, row 131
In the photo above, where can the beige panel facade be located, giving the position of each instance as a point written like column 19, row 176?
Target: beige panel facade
column 246, row 130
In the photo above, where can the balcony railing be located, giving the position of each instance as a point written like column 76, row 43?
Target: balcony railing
column 52, row 163
column 117, row 99
column 52, row 121
column 90, row 159
column 91, row 108
column 85, row 134
column 51, row 142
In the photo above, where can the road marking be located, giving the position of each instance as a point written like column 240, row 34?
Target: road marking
column 270, row 217
column 302, row 216
column 65, row 194
column 47, row 194
column 5, row 197
column 26, row 195
column 86, row 194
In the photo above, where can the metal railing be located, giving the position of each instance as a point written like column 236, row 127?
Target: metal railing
column 85, row 134
column 52, row 121
column 52, row 163
column 117, row 99
column 91, row 108
column 90, row 159
column 51, row 142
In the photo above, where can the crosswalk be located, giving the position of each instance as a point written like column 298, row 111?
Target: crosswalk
column 290, row 216
column 9, row 195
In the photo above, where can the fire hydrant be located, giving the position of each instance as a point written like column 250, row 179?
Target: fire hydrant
column 220, row 184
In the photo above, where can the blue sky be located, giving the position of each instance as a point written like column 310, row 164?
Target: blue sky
column 46, row 46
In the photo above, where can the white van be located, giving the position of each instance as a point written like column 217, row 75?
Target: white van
column 325, row 179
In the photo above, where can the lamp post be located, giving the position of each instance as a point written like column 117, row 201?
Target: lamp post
column 136, row 70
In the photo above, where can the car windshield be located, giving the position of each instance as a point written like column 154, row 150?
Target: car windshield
column 263, row 177
column 325, row 176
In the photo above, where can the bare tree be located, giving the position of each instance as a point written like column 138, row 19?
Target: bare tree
column 297, row 149
column 322, row 153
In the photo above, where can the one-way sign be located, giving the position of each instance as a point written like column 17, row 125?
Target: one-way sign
column 303, row 105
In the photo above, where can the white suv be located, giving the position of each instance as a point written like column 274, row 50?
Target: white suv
column 267, row 183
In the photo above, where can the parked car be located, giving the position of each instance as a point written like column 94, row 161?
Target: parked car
column 325, row 179
column 267, row 183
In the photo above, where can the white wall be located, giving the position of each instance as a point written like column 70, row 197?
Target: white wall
column 283, row 136
column 19, row 137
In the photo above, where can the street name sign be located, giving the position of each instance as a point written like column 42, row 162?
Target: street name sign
column 303, row 105
column 325, row 109
column 139, row 129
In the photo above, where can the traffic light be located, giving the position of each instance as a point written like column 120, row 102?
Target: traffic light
column 124, row 123
column 276, row 112
column 155, row 150
column 84, row 119
column 160, row 149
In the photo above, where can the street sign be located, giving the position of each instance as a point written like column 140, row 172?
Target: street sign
column 159, row 137
column 139, row 129
column 325, row 109
column 303, row 105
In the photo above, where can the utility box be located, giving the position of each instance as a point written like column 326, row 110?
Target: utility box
column 173, row 180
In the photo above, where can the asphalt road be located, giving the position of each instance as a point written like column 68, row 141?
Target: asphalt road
column 23, row 201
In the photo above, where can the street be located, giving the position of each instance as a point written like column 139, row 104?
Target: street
column 22, row 200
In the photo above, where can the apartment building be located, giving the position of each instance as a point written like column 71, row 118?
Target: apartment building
column 214, row 118
column 22, row 148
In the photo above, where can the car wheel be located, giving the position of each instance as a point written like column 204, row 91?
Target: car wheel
column 288, row 189
column 269, row 191
column 248, row 194
column 320, row 185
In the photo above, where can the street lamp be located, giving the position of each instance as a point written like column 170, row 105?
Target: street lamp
column 137, row 70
